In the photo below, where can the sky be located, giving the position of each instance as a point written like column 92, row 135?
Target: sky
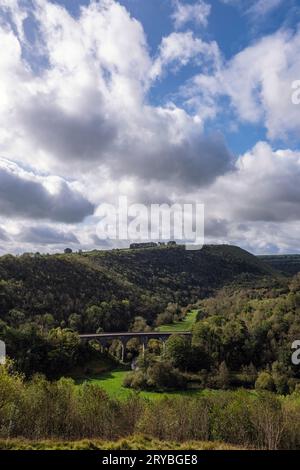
column 164, row 101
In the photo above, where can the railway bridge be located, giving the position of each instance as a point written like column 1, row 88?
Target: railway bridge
column 105, row 338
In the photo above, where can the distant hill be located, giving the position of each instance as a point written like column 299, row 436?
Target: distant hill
column 66, row 284
column 179, row 271
column 286, row 264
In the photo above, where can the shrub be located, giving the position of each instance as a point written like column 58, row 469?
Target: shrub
column 136, row 380
column 265, row 381
column 40, row 409
column 162, row 375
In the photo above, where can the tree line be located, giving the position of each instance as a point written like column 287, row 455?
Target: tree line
column 39, row 409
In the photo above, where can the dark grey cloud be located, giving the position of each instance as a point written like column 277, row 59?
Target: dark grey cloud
column 45, row 235
column 26, row 198
column 278, row 212
column 151, row 194
column 216, row 228
column 195, row 161
column 75, row 137
column 145, row 150
column 275, row 199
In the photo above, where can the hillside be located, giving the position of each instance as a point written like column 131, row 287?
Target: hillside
column 148, row 279
column 286, row 264
column 182, row 275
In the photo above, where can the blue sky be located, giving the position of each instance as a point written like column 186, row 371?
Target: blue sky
column 160, row 100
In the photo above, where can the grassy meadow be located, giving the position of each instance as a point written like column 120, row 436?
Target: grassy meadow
column 112, row 383
column 184, row 325
column 131, row 443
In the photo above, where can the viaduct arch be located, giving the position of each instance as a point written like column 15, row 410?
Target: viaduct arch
column 124, row 337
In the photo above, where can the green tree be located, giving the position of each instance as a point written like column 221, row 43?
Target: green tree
column 139, row 325
column 178, row 350
column 265, row 381
column 223, row 377
column 75, row 322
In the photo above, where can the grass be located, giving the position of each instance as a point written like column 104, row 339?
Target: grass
column 129, row 443
column 184, row 325
column 112, row 383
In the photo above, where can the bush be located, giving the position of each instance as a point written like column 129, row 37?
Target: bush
column 223, row 377
column 269, row 419
column 156, row 376
column 162, row 375
column 265, row 381
column 61, row 410
column 136, row 380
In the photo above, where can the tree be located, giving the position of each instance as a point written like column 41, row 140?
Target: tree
column 265, row 381
column 162, row 375
column 223, row 377
column 48, row 321
column 94, row 318
column 235, row 346
column 75, row 322
column 269, row 420
column 64, row 349
column 280, row 378
column 178, row 351
column 207, row 337
column 16, row 317
column 165, row 318
column 139, row 325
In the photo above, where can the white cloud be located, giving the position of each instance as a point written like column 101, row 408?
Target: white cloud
column 264, row 7
column 258, row 82
column 178, row 49
column 16, row 9
column 264, row 186
column 256, row 9
column 197, row 13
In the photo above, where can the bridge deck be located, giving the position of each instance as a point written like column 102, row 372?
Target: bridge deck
column 150, row 334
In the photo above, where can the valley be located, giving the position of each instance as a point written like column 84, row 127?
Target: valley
column 243, row 315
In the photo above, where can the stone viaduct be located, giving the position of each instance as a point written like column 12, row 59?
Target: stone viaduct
column 105, row 338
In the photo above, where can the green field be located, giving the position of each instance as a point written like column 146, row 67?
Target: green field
column 112, row 383
column 184, row 325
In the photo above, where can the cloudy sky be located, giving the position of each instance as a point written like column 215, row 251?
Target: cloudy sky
column 159, row 100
